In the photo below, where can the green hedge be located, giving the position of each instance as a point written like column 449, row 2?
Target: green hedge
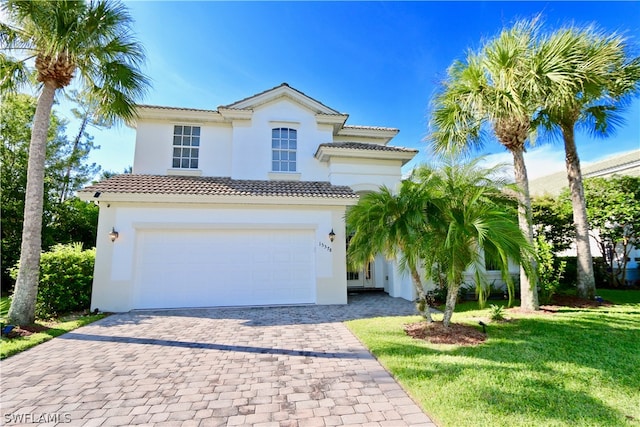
column 66, row 275
column 570, row 278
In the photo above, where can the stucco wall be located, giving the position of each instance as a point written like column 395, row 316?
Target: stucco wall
column 241, row 149
column 116, row 262
column 252, row 142
column 154, row 148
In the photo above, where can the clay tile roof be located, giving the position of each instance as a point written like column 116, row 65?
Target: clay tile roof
column 217, row 186
column 365, row 146
column 370, row 127
column 162, row 107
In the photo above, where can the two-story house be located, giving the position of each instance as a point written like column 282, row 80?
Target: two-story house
column 242, row 205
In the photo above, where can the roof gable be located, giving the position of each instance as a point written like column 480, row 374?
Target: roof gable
column 282, row 91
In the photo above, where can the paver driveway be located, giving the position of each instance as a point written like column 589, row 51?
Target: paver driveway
column 280, row 366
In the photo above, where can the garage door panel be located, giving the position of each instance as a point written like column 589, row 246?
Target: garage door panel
column 224, row 267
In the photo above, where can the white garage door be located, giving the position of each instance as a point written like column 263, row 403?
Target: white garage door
column 224, row 268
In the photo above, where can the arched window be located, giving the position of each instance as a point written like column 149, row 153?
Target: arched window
column 284, row 142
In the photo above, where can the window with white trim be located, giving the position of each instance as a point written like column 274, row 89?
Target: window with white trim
column 186, row 147
column 284, row 143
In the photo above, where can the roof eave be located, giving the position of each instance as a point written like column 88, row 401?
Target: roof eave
column 217, row 199
column 335, row 120
column 324, row 154
column 150, row 112
column 387, row 133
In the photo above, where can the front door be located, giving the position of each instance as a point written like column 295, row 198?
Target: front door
column 362, row 278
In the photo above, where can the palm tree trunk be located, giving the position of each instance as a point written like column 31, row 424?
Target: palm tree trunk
column 417, row 282
column 528, row 288
column 586, row 278
column 23, row 303
column 452, row 297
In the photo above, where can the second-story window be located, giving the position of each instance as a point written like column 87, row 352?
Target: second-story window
column 186, row 147
column 284, row 142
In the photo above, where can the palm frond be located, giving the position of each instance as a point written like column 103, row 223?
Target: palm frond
column 13, row 74
column 94, row 39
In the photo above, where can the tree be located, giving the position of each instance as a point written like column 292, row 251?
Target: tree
column 110, row 174
column 15, row 132
column 602, row 76
column 496, row 87
column 70, row 221
column 553, row 221
column 613, row 206
column 92, row 41
column 444, row 218
column 86, row 113
column 469, row 217
column 392, row 224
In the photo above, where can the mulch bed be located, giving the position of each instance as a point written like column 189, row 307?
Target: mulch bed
column 436, row 333
column 571, row 301
column 459, row 334
column 26, row 330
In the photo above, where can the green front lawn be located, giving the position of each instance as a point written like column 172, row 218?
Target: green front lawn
column 11, row 346
column 579, row 367
column 620, row 297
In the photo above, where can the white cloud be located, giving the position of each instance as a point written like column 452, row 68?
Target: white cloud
column 544, row 160
column 540, row 161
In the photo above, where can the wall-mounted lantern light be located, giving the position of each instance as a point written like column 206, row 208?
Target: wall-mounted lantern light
column 113, row 235
column 332, row 235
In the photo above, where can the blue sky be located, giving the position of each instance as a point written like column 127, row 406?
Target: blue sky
column 377, row 61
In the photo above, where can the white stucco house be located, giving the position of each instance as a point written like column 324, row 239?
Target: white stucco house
column 241, row 205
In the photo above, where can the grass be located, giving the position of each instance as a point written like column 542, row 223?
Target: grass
column 578, row 367
column 11, row 346
column 619, row 296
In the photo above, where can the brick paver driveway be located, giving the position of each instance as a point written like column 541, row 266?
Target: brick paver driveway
column 280, row 366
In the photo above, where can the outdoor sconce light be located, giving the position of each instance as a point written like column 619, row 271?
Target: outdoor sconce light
column 332, row 235
column 113, row 235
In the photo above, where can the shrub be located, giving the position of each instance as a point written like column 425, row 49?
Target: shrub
column 66, row 274
column 496, row 312
column 550, row 270
column 437, row 296
column 571, row 272
column 570, row 278
column 602, row 273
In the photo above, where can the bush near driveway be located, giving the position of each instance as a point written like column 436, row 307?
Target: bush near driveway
column 66, row 276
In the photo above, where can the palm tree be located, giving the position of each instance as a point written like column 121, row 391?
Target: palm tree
column 391, row 224
column 442, row 218
column 469, row 215
column 495, row 87
column 67, row 39
column 603, row 76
